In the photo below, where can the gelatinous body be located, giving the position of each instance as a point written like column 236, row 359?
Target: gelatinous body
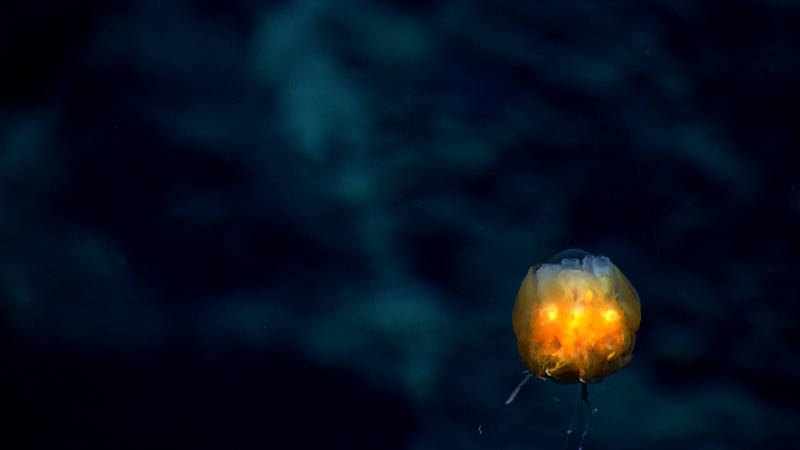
column 576, row 318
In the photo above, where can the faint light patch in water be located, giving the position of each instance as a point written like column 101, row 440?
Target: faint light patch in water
column 320, row 107
column 82, row 293
column 394, row 335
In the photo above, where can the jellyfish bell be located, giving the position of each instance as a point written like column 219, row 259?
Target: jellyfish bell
column 575, row 318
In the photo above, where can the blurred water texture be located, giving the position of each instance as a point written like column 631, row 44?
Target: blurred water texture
column 278, row 225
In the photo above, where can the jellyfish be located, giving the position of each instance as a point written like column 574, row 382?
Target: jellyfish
column 575, row 319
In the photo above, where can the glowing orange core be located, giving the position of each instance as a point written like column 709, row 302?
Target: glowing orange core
column 577, row 323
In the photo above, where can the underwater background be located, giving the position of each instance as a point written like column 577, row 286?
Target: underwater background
column 303, row 224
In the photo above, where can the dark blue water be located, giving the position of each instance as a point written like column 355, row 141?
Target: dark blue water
column 303, row 224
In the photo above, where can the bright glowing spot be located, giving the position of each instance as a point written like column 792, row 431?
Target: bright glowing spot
column 551, row 312
column 577, row 311
column 611, row 315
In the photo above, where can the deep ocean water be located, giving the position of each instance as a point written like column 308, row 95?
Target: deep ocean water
column 303, row 224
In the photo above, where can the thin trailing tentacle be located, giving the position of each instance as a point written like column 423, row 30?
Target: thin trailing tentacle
column 583, row 402
column 514, row 393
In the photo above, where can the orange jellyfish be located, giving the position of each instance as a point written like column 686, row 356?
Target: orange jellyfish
column 576, row 318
